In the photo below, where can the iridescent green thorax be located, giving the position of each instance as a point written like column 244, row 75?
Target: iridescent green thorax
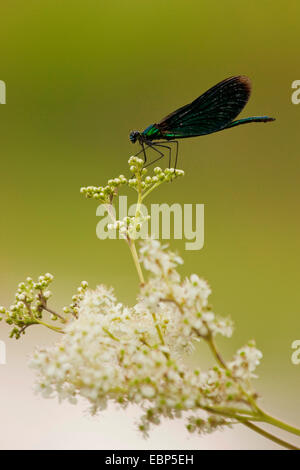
column 152, row 132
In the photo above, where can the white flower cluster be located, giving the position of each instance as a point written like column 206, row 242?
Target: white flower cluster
column 73, row 308
column 140, row 182
column 130, row 226
column 181, row 307
column 131, row 355
column 31, row 297
column 245, row 361
column 104, row 193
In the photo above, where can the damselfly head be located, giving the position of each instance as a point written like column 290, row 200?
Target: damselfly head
column 133, row 136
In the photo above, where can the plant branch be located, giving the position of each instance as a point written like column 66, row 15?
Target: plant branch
column 51, row 327
column 54, row 313
column 136, row 261
column 270, row 436
column 279, row 424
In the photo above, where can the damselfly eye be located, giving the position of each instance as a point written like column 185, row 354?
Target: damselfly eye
column 133, row 136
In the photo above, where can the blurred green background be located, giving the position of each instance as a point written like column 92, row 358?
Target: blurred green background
column 80, row 76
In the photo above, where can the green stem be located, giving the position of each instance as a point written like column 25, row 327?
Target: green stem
column 135, row 255
column 160, row 335
column 248, row 414
column 216, row 353
column 130, row 242
column 270, row 436
column 248, row 421
column 146, row 193
column 54, row 328
column 139, row 201
column 110, row 334
column 54, row 313
column 227, row 413
column 279, row 424
column 136, row 260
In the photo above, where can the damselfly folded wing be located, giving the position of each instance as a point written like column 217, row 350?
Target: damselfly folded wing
column 210, row 112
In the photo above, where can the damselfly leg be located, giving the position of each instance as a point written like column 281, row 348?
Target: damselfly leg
column 154, row 145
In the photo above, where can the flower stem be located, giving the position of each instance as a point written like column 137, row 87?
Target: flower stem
column 270, row 436
column 279, row 424
column 146, row 193
column 216, row 353
column 54, row 313
column 136, row 260
column 160, row 335
column 110, row 334
column 54, row 328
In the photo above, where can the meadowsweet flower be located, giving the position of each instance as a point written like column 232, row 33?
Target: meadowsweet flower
column 158, row 261
column 111, row 352
column 73, row 308
column 246, row 361
column 30, row 301
column 207, row 426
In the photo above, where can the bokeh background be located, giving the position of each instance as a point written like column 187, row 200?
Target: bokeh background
column 80, row 76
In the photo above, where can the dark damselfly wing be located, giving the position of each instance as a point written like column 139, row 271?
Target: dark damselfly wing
column 211, row 112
